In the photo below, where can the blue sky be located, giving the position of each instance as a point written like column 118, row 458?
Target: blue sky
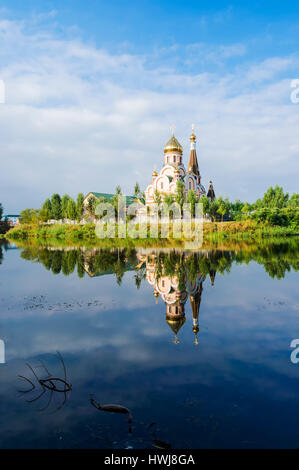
column 92, row 89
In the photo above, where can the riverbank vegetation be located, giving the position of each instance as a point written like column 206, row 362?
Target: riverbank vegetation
column 4, row 225
column 276, row 214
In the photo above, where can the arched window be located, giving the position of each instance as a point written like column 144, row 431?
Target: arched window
column 190, row 184
column 161, row 185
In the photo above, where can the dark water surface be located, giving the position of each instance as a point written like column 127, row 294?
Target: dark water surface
column 196, row 346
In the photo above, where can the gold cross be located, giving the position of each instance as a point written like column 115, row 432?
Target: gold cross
column 172, row 128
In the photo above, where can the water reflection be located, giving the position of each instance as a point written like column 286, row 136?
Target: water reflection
column 231, row 389
column 177, row 277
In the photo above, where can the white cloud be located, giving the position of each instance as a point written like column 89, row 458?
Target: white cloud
column 78, row 118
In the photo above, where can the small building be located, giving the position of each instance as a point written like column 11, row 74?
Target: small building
column 108, row 198
column 12, row 219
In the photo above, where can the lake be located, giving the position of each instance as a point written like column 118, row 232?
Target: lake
column 196, row 345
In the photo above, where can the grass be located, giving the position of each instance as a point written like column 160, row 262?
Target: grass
column 214, row 233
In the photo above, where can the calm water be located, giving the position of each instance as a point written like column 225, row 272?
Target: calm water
column 197, row 346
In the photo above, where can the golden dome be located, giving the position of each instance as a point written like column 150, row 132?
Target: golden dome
column 193, row 136
column 177, row 324
column 155, row 173
column 173, row 145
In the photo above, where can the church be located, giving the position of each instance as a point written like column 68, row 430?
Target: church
column 166, row 181
column 173, row 170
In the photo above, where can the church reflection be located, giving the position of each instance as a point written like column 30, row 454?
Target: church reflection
column 175, row 290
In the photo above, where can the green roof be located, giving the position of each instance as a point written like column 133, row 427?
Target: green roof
column 9, row 215
column 108, row 197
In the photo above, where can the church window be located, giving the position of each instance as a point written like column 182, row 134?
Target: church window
column 161, row 185
column 190, row 185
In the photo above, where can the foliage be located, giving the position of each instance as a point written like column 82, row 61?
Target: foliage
column 56, row 206
column 71, row 209
column 29, row 216
column 192, row 200
column 64, row 206
column 179, row 197
column 273, row 197
column 294, row 200
column 80, row 206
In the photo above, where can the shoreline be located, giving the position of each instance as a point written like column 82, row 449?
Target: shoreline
column 213, row 234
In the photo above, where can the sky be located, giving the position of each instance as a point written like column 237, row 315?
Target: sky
column 92, row 89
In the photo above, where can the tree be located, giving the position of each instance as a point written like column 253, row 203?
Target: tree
column 45, row 215
column 192, row 200
column 80, row 205
column 29, row 216
column 221, row 210
column 56, row 206
column 213, row 210
column 47, row 208
column 91, row 205
column 179, row 197
column 273, row 197
column 245, row 209
column 205, row 204
column 168, row 199
column 4, row 225
column 294, row 200
column 64, row 206
column 116, row 200
column 71, row 209
column 157, row 197
column 137, row 190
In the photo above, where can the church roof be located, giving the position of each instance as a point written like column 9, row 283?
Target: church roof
column 211, row 192
column 193, row 163
column 173, row 145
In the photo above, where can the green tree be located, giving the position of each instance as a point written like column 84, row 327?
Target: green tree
column 1, row 211
column 245, row 209
column 157, row 197
column 221, row 210
column 116, row 201
column 29, row 216
column 179, row 197
column 91, row 205
column 213, row 210
column 294, row 200
column 168, row 199
column 45, row 215
column 80, row 206
column 47, row 207
column 192, row 200
column 56, row 206
column 137, row 190
column 205, row 205
column 71, row 209
column 273, row 197
column 64, row 206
